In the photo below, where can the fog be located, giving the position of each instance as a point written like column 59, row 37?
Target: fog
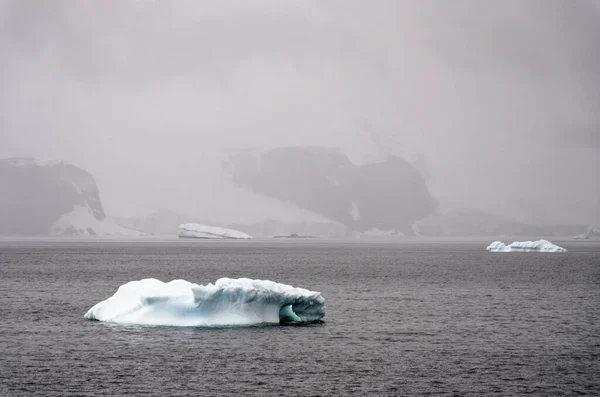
column 498, row 101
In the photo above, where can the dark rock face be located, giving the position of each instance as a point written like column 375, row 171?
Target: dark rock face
column 386, row 195
column 35, row 194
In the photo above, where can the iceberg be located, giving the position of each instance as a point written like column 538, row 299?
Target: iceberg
column 196, row 230
column 227, row 302
column 525, row 246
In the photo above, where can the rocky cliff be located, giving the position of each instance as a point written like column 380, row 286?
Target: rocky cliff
column 41, row 198
column 388, row 195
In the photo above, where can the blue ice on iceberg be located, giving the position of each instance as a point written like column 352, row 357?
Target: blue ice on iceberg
column 227, row 302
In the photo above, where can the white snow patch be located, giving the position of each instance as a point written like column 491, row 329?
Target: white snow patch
column 81, row 222
column 196, row 230
column 77, row 187
column 228, row 302
column 381, row 233
column 29, row 162
column 525, row 246
column 416, row 230
column 355, row 212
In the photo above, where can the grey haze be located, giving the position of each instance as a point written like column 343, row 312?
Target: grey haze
column 496, row 103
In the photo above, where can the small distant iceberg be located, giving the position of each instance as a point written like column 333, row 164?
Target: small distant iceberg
column 293, row 236
column 525, row 246
column 196, row 230
column 227, row 302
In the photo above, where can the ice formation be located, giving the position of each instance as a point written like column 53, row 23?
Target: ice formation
column 525, row 246
column 227, row 302
column 196, row 230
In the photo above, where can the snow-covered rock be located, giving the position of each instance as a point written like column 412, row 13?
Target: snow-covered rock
column 387, row 195
column 525, row 246
column 37, row 193
column 591, row 233
column 82, row 222
column 228, row 302
column 196, row 230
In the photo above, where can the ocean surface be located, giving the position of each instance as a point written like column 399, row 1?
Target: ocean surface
column 403, row 319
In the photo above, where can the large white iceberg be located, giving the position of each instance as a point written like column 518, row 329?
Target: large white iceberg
column 525, row 246
column 227, row 302
column 196, row 230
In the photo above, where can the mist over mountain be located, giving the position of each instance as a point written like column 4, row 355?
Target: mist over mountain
column 497, row 105
column 387, row 195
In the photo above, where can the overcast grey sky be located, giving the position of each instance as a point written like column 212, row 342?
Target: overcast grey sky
column 501, row 98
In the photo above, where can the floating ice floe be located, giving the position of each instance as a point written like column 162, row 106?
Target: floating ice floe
column 196, row 230
column 525, row 246
column 227, row 302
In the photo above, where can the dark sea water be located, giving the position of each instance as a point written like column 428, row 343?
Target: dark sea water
column 444, row 318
